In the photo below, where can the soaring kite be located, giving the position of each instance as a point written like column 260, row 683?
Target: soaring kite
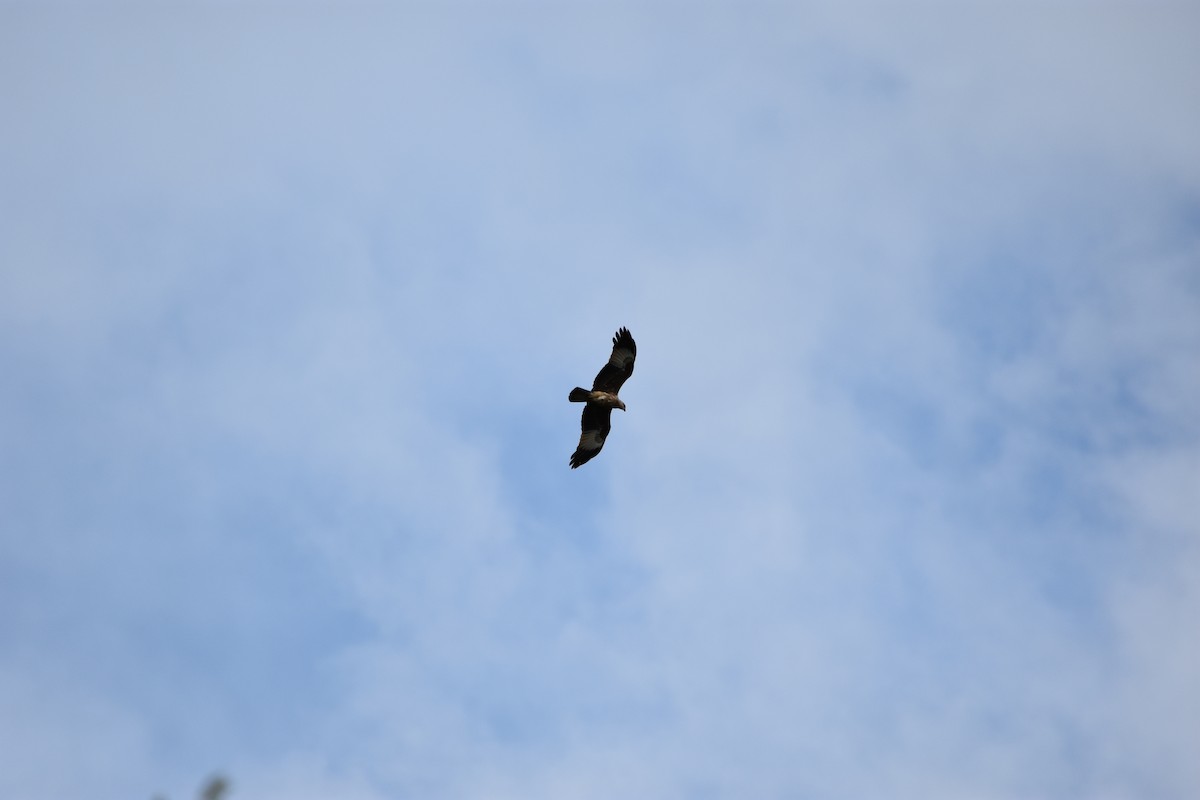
column 602, row 399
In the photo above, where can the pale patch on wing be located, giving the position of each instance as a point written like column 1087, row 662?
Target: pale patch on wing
column 620, row 357
column 591, row 440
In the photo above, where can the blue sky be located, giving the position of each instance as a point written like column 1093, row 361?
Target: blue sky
column 904, row 503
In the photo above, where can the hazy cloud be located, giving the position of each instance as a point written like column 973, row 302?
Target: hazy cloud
column 291, row 299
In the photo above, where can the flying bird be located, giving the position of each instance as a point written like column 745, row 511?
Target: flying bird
column 602, row 399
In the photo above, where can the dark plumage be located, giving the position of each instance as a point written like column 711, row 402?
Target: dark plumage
column 602, row 399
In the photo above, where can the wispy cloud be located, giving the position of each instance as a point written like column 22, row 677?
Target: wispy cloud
column 902, row 502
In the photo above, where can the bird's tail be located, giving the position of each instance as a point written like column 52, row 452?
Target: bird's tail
column 579, row 395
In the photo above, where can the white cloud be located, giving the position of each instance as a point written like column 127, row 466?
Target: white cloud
column 900, row 504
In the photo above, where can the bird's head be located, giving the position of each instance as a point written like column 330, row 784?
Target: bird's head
column 621, row 404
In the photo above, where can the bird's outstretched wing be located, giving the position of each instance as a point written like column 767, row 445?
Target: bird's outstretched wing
column 619, row 366
column 596, row 423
